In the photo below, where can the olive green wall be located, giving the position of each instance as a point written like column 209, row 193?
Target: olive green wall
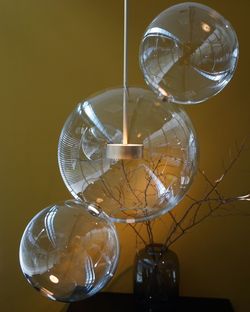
column 54, row 53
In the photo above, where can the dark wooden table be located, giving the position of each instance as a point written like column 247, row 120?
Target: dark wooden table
column 125, row 302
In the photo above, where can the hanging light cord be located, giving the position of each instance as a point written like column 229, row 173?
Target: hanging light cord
column 125, row 73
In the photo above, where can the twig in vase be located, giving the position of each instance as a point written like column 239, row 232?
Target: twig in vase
column 198, row 210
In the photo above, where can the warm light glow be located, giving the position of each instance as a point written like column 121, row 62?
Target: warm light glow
column 125, row 137
column 205, row 27
column 163, row 92
column 99, row 200
column 54, row 279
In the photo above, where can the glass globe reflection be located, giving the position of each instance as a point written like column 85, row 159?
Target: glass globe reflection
column 128, row 190
column 188, row 53
column 69, row 251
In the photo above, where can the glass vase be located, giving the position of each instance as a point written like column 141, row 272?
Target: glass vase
column 156, row 277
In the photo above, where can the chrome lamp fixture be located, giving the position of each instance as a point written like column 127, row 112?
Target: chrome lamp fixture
column 128, row 154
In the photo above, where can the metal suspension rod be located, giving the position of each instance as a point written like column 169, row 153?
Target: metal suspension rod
column 125, row 150
column 125, row 73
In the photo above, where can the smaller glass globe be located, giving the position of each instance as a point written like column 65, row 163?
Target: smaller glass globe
column 188, row 53
column 69, row 251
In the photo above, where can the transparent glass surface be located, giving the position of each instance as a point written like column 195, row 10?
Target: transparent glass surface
column 128, row 190
column 188, row 53
column 69, row 251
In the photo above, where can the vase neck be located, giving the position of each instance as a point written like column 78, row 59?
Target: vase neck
column 155, row 249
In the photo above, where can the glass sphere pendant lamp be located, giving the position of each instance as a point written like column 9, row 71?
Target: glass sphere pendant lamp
column 69, row 251
column 128, row 154
column 188, row 53
column 134, row 181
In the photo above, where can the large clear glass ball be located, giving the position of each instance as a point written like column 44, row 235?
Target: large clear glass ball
column 128, row 190
column 188, row 53
column 69, row 251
